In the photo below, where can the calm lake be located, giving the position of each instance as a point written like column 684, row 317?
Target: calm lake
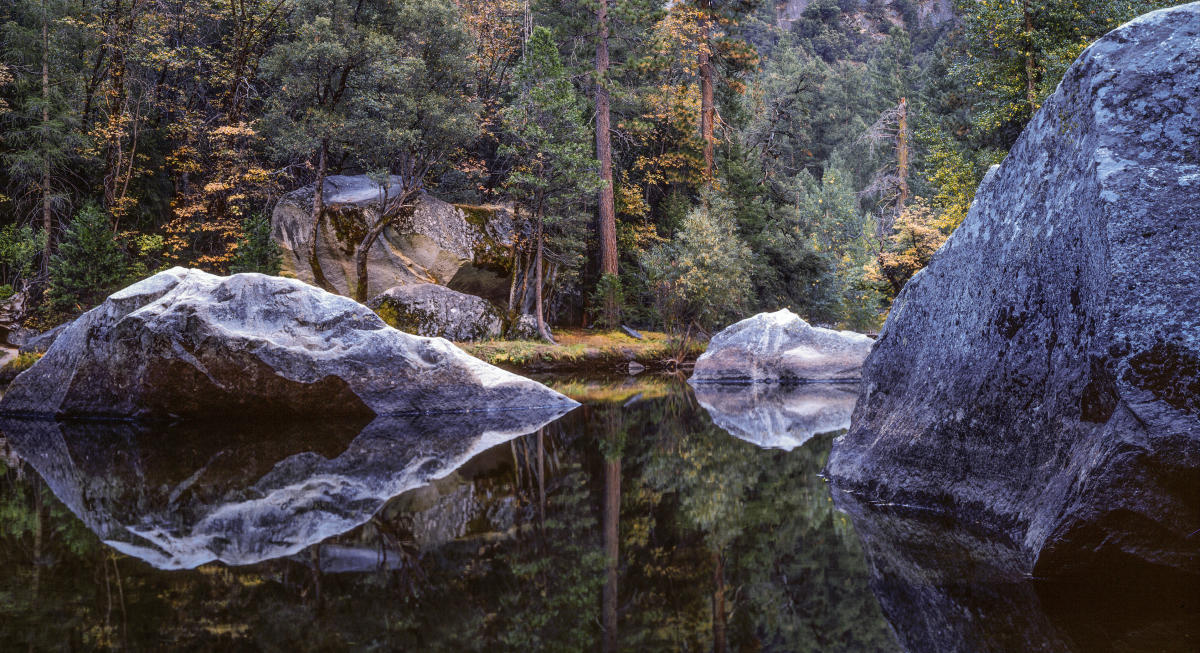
column 641, row 521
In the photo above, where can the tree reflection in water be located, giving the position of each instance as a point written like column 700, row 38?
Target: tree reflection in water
column 631, row 523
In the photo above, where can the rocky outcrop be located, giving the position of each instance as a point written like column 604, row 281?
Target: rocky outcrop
column 780, row 347
column 1042, row 375
column 778, row 416
column 40, row 342
column 427, row 309
column 466, row 248
column 185, row 343
column 187, row 494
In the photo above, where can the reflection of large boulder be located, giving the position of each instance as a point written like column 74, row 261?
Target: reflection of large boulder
column 1042, row 374
column 427, row 309
column 466, row 248
column 778, row 416
column 780, row 347
column 188, row 343
column 950, row 588
column 180, row 496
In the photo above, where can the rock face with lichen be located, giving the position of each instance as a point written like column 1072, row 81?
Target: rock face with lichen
column 1042, row 374
column 466, row 248
column 780, row 347
column 185, row 343
column 427, row 309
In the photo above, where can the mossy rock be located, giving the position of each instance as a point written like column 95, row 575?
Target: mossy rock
column 436, row 311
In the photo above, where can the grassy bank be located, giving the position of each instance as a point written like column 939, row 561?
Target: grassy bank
column 581, row 350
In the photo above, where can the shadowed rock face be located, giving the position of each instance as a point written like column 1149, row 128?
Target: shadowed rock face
column 778, row 416
column 185, row 343
column 436, row 243
column 946, row 588
column 1042, row 375
column 181, row 496
column 781, row 348
column 428, row 309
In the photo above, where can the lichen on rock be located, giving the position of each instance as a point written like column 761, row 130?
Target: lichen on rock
column 436, row 311
column 1039, row 377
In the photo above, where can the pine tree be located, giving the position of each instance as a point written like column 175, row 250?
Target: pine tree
column 552, row 166
column 256, row 250
column 88, row 265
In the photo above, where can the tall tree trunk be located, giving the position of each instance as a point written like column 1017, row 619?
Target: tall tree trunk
column 902, row 155
column 608, row 219
column 318, row 211
column 47, row 215
column 543, row 331
column 707, row 106
column 1030, row 65
column 612, row 532
column 718, row 603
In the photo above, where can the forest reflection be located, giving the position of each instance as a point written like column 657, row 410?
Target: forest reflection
column 632, row 523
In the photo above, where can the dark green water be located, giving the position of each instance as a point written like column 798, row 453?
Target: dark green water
column 633, row 523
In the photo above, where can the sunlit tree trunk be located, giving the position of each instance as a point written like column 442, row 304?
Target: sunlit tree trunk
column 543, row 330
column 902, row 155
column 707, row 104
column 1030, row 64
column 47, row 215
column 608, row 220
column 318, row 210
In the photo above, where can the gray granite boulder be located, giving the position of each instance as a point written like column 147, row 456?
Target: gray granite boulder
column 427, row 309
column 437, row 243
column 187, row 494
column 185, row 343
column 524, row 327
column 1041, row 376
column 775, row 416
column 780, row 347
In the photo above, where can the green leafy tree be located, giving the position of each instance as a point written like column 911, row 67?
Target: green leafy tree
column 322, row 73
column 417, row 112
column 553, row 171
column 88, row 265
column 703, row 274
column 1014, row 52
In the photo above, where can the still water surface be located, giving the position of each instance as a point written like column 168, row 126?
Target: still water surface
column 649, row 519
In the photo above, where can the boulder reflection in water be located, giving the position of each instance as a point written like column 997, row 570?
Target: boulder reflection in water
column 182, row 495
column 775, row 416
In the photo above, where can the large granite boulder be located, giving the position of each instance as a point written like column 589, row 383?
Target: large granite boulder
column 183, row 495
column 185, row 343
column 427, row 309
column 1042, row 375
column 780, row 347
column 774, row 416
column 466, row 248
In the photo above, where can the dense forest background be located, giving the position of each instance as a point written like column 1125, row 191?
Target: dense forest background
column 686, row 162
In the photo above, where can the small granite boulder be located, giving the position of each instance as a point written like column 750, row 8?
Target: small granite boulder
column 427, row 309
column 780, row 347
column 185, row 343
column 523, row 328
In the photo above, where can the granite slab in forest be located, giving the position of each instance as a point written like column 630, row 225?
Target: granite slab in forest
column 1041, row 376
